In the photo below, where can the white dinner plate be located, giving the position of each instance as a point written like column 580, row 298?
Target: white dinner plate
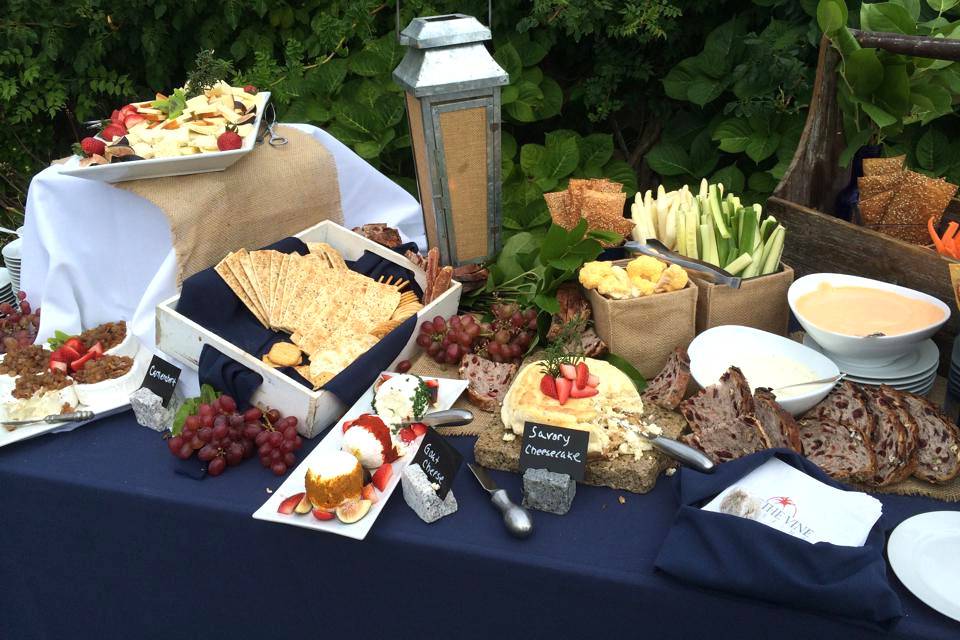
column 176, row 166
column 924, row 552
column 896, row 384
column 922, row 360
column 448, row 392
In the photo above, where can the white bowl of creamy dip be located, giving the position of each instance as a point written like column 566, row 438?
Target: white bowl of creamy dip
column 766, row 360
column 839, row 311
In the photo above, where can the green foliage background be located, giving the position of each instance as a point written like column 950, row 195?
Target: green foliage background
column 642, row 91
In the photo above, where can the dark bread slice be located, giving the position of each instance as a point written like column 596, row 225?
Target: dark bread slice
column 487, row 380
column 911, row 429
column 844, row 404
column 778, row 424
column 668, row 389
column 841, row 450
column 730, row 439
column 725, row 401
column 888, row 438
column 938, row 441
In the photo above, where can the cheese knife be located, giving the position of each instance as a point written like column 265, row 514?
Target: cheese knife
column 657, row 249
column 446, row 418
column 517, row 519
column 674, row 448
column 76, row 416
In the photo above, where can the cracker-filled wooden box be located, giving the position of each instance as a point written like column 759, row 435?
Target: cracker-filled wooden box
column 183, row 339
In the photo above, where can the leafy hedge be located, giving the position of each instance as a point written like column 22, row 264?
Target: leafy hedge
column 642, row 91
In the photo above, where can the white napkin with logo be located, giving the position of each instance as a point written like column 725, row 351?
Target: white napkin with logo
column 782, row 497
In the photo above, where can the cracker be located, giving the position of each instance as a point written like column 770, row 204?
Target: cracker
column 872, row 209
column 558, row 203
column 880, row 166
column 870, row 186
column 316, row 381
column 232, row 262
column 246, row 263
column 384, row 328
column 604, row 211
column 576, row 188
column 329, row 254
column 918, row 199
column 224, row 272
column 285, row 354
column 605, row 186
column 270, row 363
column 260, row 261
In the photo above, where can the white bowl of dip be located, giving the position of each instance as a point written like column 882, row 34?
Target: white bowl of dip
column 838, row 311
column 766, row 360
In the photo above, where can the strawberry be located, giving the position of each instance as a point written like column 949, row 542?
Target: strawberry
column 229, row 140
column 115, row 130
column 132, row 120
column 369, row 493
column 593, row 380
column 382, row 477
column 322, row 514
column 583, row 373
column 58, row 366
column 418, row 428
column 117, row 116
column 287, row 506
column 76, row 365
column 583, row 392
column 93, row 146
column 563, row 389
column 96, row 350
column 69, row 353
column 548, row 386
column 347, row 424
column 75, row 344
column 128, row 109
column 407, row 435
column 252, row 90
column 568, row 371
column 57, row 356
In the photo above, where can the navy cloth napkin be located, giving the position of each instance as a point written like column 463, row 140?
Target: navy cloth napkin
column 228, row 376
column 207, row 300
column 737, row 555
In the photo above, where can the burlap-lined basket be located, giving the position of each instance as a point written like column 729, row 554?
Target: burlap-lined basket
column 645, row 331
column 760, row 302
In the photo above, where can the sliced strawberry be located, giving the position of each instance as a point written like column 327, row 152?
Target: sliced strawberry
column 407, row 435
column 323, row 514
column 57, row 356
column 568, row 371
column 369, row 493
column 287, row 506
column 593, row 380
column 433, row 384
column 117, row 116
column 69, row 354
column 583, row 392
column 133, row 120
column 76, row 365
column 418, row 428
column 128, row 109
column 58, row 366
column 583, row 373
column 112, row 131
column 96, row 350
column 563, row 389
column 75, row 344
column 382, row 476
column 548, row 386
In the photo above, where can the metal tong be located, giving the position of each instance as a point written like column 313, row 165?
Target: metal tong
column 657, row 249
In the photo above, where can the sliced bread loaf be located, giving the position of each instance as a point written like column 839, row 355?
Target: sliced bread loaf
column 730, row 439
column 888, row 437
column 725, row 401
column 844, row 404
column 779, row 425
column 842, row 451
column 938, row 441
column 668, row 389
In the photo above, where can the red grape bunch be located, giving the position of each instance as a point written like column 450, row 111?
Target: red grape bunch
column 504, row 339
column 18, row 327
column 222, row 436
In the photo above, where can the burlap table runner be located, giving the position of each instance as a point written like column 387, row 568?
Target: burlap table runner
column 270, row 194
column 760, row 302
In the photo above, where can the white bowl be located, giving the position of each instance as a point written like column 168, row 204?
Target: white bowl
column 869, row 352
column 717, row 349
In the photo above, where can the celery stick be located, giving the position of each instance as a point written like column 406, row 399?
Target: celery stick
column 669, row 232
column 767, row 227
column 772, row 261
column 738, row 265
column 754, row 268
column 704, row 188
column 716, row 212
column 748, row 229
column 709, row 245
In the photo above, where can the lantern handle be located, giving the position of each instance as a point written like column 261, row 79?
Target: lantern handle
column 489, row 17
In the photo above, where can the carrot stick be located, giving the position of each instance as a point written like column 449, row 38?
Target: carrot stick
column 937, row 242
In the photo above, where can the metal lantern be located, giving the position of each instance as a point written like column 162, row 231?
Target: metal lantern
column 452, row 86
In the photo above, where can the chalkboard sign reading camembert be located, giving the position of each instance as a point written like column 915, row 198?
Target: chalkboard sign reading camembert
column 439, row 461
column 161, row 378
column 554, row 449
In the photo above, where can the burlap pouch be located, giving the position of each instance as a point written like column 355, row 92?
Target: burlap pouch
column 760, row 302
column 645, row 331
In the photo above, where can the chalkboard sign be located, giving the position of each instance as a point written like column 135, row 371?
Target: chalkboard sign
column 161, row 378
column 439, row 461
column 554, row 449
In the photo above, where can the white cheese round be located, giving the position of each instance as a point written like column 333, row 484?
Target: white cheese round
column 395, row 399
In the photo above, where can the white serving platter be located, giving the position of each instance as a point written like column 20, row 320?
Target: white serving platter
column 162, row 167
column 923, row 552
column 183, row 339
column 108, row 406
column 447, row 393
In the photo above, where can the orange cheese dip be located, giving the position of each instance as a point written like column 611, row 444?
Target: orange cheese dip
column 860, row 311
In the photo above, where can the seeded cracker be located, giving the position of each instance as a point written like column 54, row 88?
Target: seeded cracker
column 874, row 185
column 918, row 199
column 576, row 189
column 872, row 209
column 558, row 203
column 247, row 264
column 224, row 271
column 880, row 166
column 605, row 211
column 236, row 268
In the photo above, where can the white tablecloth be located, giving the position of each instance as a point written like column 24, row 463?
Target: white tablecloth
column 93, row 253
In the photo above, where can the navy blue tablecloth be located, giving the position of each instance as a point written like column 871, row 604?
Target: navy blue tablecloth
column 99, row 539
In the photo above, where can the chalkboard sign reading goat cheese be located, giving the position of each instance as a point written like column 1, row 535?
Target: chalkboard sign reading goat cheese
column 439, row 461
column 554, row 449
column 161, row 378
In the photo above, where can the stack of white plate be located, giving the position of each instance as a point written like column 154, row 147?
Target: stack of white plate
column 915, row 371
column 11, row 259
column 6, row 291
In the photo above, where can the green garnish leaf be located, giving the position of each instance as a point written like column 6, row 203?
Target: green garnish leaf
column 173, row 105
column 208, row 394
column 58, row 339
column 188, row 408
column 635, row 376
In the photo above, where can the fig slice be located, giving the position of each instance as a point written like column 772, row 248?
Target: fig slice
column 351, row 511
column 304, row 506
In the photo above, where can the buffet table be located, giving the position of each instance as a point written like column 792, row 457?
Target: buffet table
column 102, row 540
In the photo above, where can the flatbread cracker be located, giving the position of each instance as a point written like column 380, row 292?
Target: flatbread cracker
column 224, row 272
column 870, row 186
column 880, row 166
column 872, row 209
column 232, row 262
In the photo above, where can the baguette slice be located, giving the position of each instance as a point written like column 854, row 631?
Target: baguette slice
column 842, row 451
column 778, row 424
column 938, row 441
column 670, row 386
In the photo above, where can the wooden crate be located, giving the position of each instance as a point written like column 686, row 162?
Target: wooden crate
column 183, row 339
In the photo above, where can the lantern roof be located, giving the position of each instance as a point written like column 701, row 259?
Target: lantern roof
column 446, row 54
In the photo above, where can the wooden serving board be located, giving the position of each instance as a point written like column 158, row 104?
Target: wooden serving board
column 625, row 472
